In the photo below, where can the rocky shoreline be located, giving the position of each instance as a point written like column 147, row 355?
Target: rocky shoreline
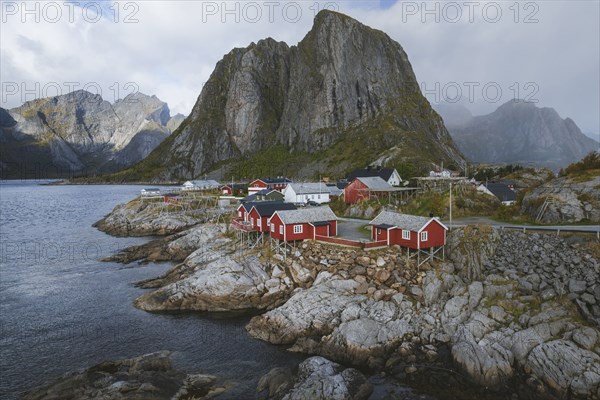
column 139, row 218
column 512, row 314
column 150, row 377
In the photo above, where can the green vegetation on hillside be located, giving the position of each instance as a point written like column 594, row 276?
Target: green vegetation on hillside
column 485, row 172
column 588, row 167
column 465, row 203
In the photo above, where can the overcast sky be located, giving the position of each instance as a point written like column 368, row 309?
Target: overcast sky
column 490, row 52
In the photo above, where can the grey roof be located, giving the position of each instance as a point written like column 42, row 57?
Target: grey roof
column 383, row 173
column 502, row 191
column 205, row 183
column 403, row 221
column 268, row 208
column 311, row 214
column 280, row 179
column 248, row 205
column 375, row 182
column 264, row 192
column 342, row 184
column 309, row 187
column 267, row 192
column 249, row 198
column 335, row 191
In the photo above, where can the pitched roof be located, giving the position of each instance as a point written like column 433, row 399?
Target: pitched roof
column 248, row 205
column 335, row 191
column 204, row 183
column 502, row 191
column 249, row 198
column 309, row 187
column 262, row 192
column 309, row 214
column 267, row 208
column 342, row 184
column 403, row 221
column 236, row 186
column 383, row 173
column 276, row 180
column 375, row 183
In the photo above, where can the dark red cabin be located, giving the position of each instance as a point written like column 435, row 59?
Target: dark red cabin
column 409, row 231
column 303, row 224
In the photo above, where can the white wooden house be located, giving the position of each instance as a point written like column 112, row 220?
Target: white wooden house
column 302, row 193
column 201, row 185
column 150, row 192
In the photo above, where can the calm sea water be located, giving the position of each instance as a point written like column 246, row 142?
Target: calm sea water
column 61, row 309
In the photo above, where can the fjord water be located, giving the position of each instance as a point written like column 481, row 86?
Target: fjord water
column 61, row 309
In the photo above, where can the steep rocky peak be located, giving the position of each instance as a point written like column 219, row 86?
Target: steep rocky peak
column 337, row 86
column 331, row 21
column 528, row 109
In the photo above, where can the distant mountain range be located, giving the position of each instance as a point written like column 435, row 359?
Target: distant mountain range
column 344, row 97
column 517, row 132
column 79, row 133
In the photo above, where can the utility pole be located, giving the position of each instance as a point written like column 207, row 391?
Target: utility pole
column 450, row 205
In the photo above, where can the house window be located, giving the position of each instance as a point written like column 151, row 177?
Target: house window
column 239, row 214
column 272, row 227
column 259, row 222
column 423, row 236
column 281, row 229
column 405, row 235
column 378, row 231
column 297, row 228
column 318, row 196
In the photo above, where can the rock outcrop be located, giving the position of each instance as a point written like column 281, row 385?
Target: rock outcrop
column 504, row 312
column 138, row 218
column 526, row 310
column 316, row 379
column 569, row 199
column 217, row 276
column 343, row 86
column 150, row 377
column 80, row 133
column 175, row 247
column 518, row 132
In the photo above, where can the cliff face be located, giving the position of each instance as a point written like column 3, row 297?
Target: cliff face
column 343, row 85
column 520, row 132
column 81, row 132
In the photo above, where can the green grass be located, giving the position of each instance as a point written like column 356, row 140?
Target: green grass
column 465, row 203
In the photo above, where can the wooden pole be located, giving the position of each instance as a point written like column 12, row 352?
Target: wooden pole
column 450, row 205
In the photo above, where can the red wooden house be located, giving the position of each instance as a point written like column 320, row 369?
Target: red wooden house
column 262, row 211
column 242, row 211
column 409, row 231
column 302, row 224
column 256, row 186
column 279, row 184
column 365, row 188
column 171, row 198
column 234, row 189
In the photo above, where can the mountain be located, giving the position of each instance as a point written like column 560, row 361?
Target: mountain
column 344, row 97
column 455, row 115
column 80, row 133
column 520, row 132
